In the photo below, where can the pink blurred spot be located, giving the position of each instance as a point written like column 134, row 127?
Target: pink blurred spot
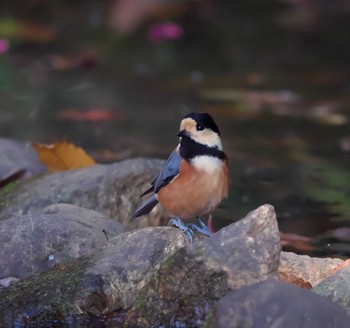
column 4, row 46
column 166, row 31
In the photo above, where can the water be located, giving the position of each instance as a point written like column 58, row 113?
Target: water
column 278, row 93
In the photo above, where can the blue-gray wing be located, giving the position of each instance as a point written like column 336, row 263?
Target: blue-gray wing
column 167, row 173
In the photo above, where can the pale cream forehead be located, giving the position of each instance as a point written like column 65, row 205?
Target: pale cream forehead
column 188, row 124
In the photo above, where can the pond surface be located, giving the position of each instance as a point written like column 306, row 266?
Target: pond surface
column 279, row 92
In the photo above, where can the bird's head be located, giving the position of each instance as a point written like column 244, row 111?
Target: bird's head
column 201, row 128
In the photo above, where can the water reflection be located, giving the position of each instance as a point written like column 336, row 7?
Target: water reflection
column 281, row 100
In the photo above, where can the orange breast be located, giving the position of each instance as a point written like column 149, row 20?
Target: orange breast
column 193, row 192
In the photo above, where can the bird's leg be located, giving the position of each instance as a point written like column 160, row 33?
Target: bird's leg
column 202, row 229
column 177, row 222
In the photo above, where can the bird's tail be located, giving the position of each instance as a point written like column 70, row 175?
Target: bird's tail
column 146, row 206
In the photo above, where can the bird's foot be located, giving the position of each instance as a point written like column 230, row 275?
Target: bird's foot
column 202, row 229
column 190, row 228
column 177, row 222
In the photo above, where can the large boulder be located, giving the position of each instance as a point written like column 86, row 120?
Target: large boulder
column 272, row 303
column 197, row 276
column 311, row 270
column 336, row 287
column 18, row 159
column 35, row 241
column 112, row 190
column 150, row 277
column 96, row 283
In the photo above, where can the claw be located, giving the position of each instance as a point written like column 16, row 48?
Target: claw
column 190, row 228
column 202, row 229
column 185, row 229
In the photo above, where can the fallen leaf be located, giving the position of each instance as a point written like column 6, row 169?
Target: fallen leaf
column 93, row 115
column 292, row 279
column 62, row 156
column 299, row 242
column 85, row 60
column 27, row 31
column 125, row 16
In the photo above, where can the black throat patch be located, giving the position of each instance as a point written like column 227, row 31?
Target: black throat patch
column 189, row 149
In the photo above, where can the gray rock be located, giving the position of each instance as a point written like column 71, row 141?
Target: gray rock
column 18, row 156
column 150, row 276
column 189, row 283
column 34, row 242
column 275, row 304
column 310, row 269
column 99, row 282
column 5, row 282
column 337, row 288
column 250, row 247
column 112, row 190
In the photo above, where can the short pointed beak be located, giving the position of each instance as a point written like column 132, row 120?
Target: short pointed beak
column 182, row 133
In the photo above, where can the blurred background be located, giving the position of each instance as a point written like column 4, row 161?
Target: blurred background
column 115, row 77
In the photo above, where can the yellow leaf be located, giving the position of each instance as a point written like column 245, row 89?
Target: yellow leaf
column 63, row 156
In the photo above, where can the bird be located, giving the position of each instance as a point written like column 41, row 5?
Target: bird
column 195, row 178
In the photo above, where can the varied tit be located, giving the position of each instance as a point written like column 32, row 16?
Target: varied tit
column 194, row 180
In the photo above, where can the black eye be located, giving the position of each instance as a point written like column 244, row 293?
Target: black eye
column 200, row 127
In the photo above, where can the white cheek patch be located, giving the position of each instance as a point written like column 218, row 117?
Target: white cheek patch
column 210, row 140
column 206, row 163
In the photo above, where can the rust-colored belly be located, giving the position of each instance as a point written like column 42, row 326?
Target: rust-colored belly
column 194, row 193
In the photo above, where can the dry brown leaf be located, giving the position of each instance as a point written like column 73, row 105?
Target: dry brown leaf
column 27, row 30
column 37, row 33
column 292, row 279
column 63, row 156
column 92, row 115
